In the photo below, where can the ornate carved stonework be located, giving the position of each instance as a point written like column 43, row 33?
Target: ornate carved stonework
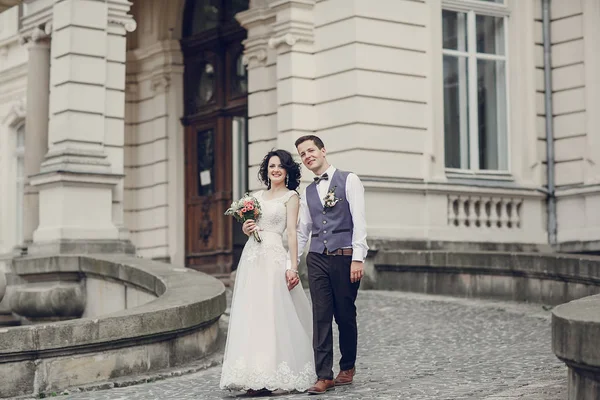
column 491, row 212
column 16, row 114
column 292, row 28
column 37, row 35
column 258, row 21
column 128, row 24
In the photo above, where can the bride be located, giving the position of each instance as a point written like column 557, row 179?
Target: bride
column 270, row 329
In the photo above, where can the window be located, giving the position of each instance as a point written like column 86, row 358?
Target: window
column 20, row 180
column 475, row 85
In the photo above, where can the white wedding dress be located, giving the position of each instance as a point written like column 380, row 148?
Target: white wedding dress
column 269, row 342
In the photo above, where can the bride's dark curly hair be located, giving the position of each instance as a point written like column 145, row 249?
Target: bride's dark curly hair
column 287, row 161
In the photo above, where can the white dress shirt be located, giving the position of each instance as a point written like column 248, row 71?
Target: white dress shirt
column 355, row 195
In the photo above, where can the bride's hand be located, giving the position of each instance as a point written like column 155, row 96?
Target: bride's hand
column 291, row 278
column 248, row 227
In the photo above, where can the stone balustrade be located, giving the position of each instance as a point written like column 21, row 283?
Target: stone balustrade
column 138, row 316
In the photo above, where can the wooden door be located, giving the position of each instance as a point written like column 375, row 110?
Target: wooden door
column 215, row 98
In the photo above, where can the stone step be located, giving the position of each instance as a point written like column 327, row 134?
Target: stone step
column 9, row 320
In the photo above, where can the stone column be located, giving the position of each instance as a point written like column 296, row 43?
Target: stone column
column 84, row 163
column 293, row 38
column 36, row 121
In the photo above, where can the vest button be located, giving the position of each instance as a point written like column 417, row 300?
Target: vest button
column 324, row 213
column 325, row 241
column 324, row 222
column 324, row 231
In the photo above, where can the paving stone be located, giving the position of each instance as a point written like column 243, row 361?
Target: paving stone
column 414, row 346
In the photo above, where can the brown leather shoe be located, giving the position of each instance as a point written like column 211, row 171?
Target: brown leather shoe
column 345, row 377
column 321, row 386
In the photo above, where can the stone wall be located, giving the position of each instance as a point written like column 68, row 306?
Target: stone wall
column 151, row 316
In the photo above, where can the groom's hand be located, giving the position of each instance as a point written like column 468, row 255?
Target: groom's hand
column 356, row 271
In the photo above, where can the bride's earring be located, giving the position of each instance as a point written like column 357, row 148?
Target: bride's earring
column 287, row 180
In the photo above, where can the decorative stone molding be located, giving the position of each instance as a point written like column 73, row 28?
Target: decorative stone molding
column 292, row 27
column 129, row 24
column 16, row 114
column 37, row 35
column 258, row 21
column 256, row 55
column 160, row 83
column 117, row 15
column 484, row 212
column 288, row 39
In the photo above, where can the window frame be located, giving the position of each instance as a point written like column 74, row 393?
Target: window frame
column 472, row 8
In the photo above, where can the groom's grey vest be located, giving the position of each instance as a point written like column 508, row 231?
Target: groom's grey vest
column 332, row 227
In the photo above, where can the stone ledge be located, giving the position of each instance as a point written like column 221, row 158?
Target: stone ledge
column 533, row 277
column 179, row 326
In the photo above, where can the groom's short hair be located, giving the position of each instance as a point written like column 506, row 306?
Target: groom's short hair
column 316, row 140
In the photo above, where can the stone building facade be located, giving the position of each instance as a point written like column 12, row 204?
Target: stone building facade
column 136, row 123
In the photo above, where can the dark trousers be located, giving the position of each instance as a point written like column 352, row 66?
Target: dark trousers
column 333, row 295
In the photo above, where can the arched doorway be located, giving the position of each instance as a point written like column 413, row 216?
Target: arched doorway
column 215, row 121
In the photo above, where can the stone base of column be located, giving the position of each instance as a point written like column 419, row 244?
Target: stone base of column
column 75, row 198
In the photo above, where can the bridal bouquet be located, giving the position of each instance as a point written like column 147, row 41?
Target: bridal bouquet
column 244, row 209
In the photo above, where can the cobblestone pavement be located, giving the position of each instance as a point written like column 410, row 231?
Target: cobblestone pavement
column 414, row 346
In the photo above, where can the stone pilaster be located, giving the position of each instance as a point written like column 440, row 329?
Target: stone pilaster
column 119, row 23
column 80, row 180
column 293, row 38
column 260, row 60
column 37, row 41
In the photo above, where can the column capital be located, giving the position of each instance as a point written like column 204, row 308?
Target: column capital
column 127, row 22
column 118, row 15
column 37, row 35
column 294, row 23
column 258, row 21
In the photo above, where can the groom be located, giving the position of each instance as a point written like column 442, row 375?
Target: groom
column 332, row 214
